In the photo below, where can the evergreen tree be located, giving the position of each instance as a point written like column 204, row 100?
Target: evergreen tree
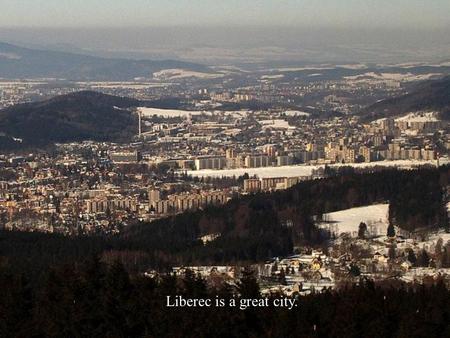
column 423, row 259
column 354, row 270
column 274, row 267
column 116, row 300
column 439, row 246
column 391, row 230
column 412, row 257
column 446, row 256
column 391, row 252
column 282, row 277
column 362, row 229
column 194, row 286
column 248, row 286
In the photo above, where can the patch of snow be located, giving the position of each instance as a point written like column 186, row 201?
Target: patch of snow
column 305, row 170
column 296, row 113
column 297, row 69
column 355, row 66
column 419, row 117
column 177, row 73
column 167, row 112
column 392, row 76
column 10, row 56
column 276, row 124
column 347, row 221
column 272, row 77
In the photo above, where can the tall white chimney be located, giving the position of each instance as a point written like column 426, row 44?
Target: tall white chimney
column 140, row 124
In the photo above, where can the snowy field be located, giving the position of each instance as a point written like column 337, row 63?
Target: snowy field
column 416, row 274
column 302, row 170
column 347, row 221
column 419, row 117
column 298, row 69
column 436, row 236
column 126, row 85
column 167, row 112
column 295, row 113
column 275, row 124
column 7, row 83
column 393, row 76
column 175, row 73
column 272, row 77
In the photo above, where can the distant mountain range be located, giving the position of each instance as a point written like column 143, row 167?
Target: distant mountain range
column 84, row 115
column 19, row 62
column 430, row 95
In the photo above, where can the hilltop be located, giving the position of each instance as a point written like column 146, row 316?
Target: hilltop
column 79, row 116
column 428, row 96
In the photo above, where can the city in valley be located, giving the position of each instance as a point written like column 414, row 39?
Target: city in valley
column 213, row 142
column 235, row 169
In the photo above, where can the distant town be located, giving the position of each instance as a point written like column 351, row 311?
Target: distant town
column 199, row 154
column 185, row 160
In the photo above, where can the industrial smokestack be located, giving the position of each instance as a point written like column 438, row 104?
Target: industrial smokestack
column 140, row 124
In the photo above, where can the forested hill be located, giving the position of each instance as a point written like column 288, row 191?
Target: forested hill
column 253, row 228
column 84, row 115
column 431, row 95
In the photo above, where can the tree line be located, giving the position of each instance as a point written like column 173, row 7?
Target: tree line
column 91, row 299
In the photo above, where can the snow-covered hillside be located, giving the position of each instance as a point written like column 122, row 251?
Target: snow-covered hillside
column 348, row 220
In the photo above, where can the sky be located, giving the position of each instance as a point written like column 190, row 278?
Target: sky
column 427, row 14
column 218, row 31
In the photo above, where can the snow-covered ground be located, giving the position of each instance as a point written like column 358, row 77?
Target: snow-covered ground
column 417, row 274
column 297, row 69
column 272, row 77
column 123, row 85
column 355, row 66
column 167, row 112
column 393, row 76
column 303, row 170
column 10, row 56
column 419, row 117
column 8, row 83
column 275, row 124
column 429, row 243
column 295, row 113
column 375, row 217
column 441, row 234
column 148, row 112
column 171, row 74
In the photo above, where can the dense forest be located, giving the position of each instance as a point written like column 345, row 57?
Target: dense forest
column 253, row 228
column 91, row 299
column 79, row 116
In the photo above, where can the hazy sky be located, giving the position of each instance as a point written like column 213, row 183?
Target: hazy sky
column 341, row 13
column 229, row 30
